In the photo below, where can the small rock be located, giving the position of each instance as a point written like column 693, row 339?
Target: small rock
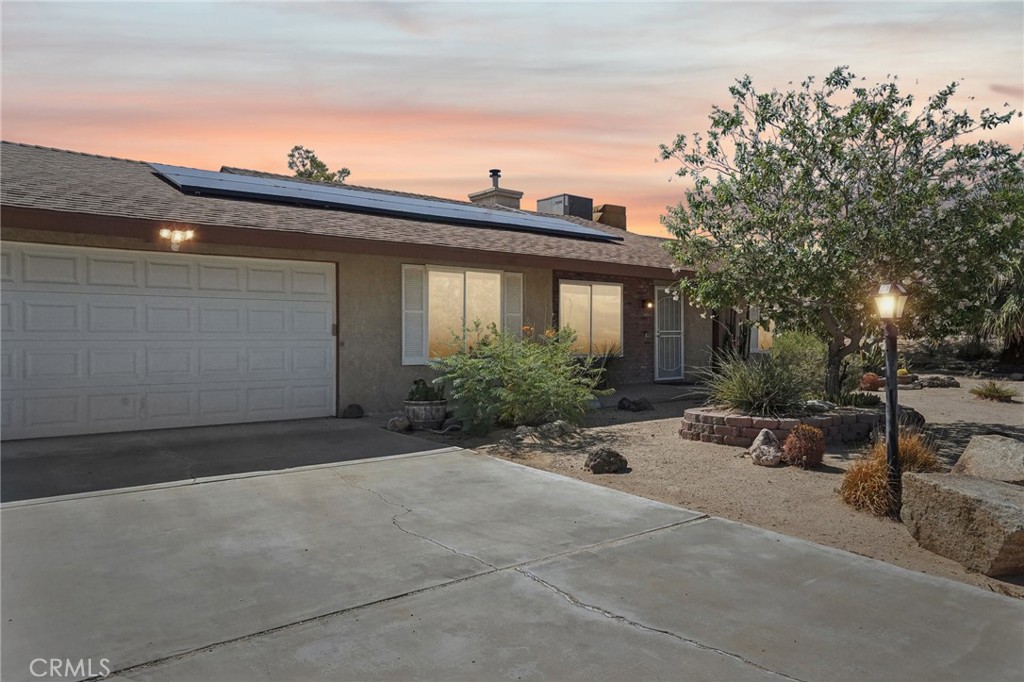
column 1016, row 376
column 766, row 450
column 566, row 428
column 642, row 404
column 353, row 411
column 606, row 461
column 625, row 404
column 549, row 431
column 910, row 418
column 819, row 405
column 399, row 424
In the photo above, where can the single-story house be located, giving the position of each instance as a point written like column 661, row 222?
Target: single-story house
column 140, row 296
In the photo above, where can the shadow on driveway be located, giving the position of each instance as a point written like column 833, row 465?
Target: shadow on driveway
column 48, row 467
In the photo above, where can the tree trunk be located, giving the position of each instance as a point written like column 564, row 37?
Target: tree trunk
column 838, row 351
column 833, row 380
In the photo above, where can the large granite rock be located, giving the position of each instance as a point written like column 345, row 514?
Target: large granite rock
column 974, row 521
column 994, row 457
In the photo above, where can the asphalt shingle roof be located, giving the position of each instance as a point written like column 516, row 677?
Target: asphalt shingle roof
column 36, row 177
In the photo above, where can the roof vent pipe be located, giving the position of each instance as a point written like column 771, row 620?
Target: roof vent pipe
column 495, row 174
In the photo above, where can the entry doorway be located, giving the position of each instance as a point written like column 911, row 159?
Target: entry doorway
column 668, row 335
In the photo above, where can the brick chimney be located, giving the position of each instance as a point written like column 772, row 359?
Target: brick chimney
column 610, row 215
column 495, row 195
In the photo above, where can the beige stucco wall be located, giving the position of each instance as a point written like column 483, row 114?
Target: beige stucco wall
column 370, row 327
column 369, row 309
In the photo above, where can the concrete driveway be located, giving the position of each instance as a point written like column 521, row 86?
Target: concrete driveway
column 455, row 566
column 49, row 467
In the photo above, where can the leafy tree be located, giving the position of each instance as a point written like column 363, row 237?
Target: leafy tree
column 804, row 201
column 308, row 167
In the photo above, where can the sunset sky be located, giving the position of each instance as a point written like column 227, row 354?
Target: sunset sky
column 564, row 98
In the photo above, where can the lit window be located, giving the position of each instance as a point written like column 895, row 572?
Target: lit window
column 594, row 312
column 439, row 304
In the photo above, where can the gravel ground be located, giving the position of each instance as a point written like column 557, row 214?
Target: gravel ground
column 718, row 480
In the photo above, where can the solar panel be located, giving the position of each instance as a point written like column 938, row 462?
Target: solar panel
column 213, row 183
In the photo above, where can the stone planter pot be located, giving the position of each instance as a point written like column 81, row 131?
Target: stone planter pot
column 428, row 414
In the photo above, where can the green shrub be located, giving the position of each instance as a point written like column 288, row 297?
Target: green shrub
column 805, row 356
column 517, row 381
column 995, row 390
column 804, row 446
column 759, row 385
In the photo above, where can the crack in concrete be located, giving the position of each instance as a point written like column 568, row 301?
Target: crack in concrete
column 189, row 464
column 647, row 628
column 406, row 510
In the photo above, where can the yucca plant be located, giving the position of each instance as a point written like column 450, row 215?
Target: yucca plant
column 760, row 385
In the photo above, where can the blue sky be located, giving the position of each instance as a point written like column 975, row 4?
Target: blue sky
column 427, row 97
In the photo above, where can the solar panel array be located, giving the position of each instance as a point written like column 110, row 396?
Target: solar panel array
column 212, row 183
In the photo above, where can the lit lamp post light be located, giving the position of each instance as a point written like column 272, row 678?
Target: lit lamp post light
column 177, row 237
column 890, row 299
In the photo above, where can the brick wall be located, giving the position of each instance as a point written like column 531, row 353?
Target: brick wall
column 637, row 363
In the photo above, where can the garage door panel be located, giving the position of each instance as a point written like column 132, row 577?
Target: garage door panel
column 126, row 350
column 49, row 267
column 113, row 271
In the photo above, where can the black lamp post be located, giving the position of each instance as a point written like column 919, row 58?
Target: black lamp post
column 890, row 300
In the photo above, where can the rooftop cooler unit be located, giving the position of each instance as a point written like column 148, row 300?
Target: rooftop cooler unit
column 567, row 204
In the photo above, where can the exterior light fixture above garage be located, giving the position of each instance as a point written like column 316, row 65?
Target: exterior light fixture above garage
column 177, row 237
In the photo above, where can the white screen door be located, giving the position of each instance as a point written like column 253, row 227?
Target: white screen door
column 668, row 336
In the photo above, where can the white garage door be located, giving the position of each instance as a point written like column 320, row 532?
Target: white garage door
column 98, row 340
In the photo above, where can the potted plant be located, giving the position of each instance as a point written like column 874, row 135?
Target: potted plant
column 426, row 406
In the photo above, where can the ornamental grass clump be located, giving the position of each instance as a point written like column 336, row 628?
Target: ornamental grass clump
column 994, row 390
column 760, row 385
column 804, row 446
column 865, row 485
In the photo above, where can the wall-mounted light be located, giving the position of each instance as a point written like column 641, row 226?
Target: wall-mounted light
column 177, row 237
column 648, row 304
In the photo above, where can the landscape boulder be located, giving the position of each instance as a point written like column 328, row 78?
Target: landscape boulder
column 974, row 521
column 399, row 424
column 606, row 461
column 766, row 450
column 996, row 458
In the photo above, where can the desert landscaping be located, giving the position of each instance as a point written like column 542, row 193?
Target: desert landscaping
column 720, row 480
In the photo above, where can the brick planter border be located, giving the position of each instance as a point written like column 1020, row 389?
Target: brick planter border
column 720, row 425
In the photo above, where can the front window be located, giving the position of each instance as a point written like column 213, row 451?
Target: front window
column 456, row 300
column 439, row 303
column 594, row 311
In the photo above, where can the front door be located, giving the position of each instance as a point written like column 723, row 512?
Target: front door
column 668, row 335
